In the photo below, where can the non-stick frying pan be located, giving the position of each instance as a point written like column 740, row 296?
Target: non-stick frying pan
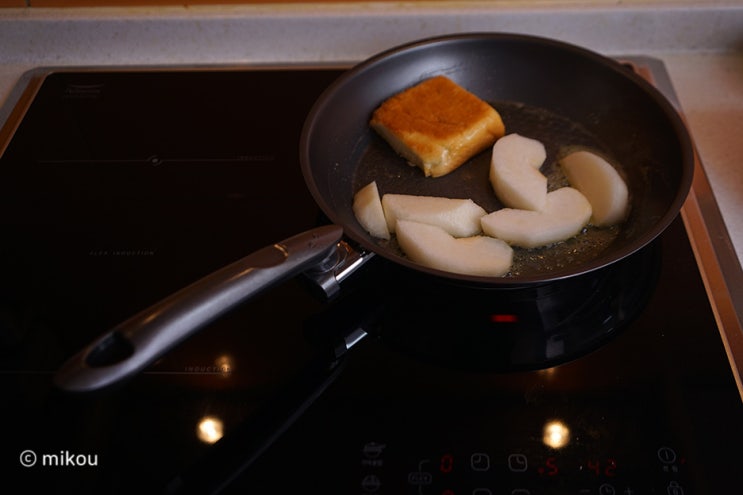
column 563, row 95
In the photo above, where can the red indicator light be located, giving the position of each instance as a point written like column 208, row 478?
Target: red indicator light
column 504, row 318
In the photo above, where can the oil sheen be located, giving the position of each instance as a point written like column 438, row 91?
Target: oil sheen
column 560, row 136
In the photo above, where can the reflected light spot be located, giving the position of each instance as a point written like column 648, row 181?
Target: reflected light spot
column 556, row 434
column 548, row 372
column 224, row 364
column 210, row 429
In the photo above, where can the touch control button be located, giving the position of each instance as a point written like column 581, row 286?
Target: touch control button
column 674, row 488
column 420, row 477
column 666, row 455
column 517, row 463
column 371, row 484
column 480, row 461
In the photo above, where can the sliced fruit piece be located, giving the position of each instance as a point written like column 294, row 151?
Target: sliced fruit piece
column 566, row 213
column 433, row 247
column 515, row 175
column 600, row 183
column 367, row 206
column 458, row 217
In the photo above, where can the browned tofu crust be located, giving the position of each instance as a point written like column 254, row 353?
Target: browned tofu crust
column 437, row 125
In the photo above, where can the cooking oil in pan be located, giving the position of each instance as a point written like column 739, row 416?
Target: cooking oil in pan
column 559, row 135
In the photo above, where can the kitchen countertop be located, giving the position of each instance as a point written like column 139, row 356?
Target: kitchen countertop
column 701, row 44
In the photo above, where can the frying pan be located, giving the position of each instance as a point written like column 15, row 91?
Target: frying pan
column 560, row 94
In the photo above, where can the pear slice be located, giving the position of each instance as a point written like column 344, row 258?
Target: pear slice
column 432, row 246
column 515, row 175
column 458, row 217
column 566, row 213
column 600, row 183
column 367, row 206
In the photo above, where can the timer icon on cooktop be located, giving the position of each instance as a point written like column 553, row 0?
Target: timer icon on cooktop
column 517, row 463
column 666, row 455
column 480, row 461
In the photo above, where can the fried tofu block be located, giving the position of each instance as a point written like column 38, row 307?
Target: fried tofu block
column 437, row 125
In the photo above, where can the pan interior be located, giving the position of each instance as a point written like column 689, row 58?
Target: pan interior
column 380, row 163
column 562, row 95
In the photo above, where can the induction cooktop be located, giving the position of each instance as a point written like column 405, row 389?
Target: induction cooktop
column 119, row 186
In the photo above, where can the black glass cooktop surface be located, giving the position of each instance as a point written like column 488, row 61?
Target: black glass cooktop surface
column 120, row 187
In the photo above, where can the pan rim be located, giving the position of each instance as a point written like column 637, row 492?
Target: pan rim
column 602, row 260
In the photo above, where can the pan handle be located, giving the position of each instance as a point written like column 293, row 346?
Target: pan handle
column 137, row 342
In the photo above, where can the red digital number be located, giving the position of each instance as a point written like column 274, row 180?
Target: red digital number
column 447, row 463
column 611, row 468
column 594, row 467
column 551, row 465
column 608, row 469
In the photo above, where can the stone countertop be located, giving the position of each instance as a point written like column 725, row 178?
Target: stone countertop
column 701, row 44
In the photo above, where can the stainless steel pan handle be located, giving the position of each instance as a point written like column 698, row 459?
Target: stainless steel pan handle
column 139, row 341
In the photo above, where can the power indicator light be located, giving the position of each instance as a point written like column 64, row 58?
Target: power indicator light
column 504, row 318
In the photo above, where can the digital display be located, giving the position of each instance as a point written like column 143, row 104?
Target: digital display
column 446, row 465
column 483, row 473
